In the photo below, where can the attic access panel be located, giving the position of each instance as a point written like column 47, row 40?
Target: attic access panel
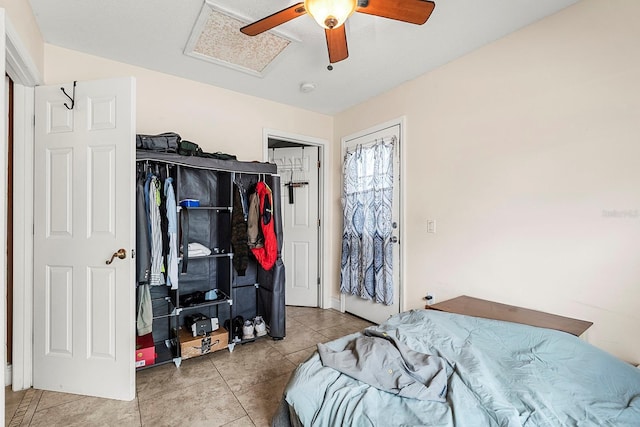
column 216, row 38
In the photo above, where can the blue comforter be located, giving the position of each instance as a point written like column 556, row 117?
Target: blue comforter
column 504, row 374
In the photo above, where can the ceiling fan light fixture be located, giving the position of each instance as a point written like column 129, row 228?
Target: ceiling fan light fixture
column 330, row 14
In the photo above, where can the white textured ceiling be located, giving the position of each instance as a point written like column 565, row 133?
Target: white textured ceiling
column 382, row 53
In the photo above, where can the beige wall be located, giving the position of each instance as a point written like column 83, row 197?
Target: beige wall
column 215, row 118
column 526, row 153
column 22, row 19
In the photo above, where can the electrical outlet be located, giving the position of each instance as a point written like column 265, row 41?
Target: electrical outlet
column 430, row 299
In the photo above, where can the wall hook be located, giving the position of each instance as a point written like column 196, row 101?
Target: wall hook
column 72, row 99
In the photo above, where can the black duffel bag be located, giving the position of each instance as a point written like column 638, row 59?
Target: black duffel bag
column 167, row 142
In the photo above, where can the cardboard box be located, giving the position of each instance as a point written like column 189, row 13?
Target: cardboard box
column 145, row 351
column 197, row 346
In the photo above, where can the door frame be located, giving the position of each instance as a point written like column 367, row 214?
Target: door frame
column 324, row 298
column 401, row 122
column 25, row 75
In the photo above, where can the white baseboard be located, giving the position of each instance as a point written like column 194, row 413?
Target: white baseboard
column 7, row 375
column 335, row 303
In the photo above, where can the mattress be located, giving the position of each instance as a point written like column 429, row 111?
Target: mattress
column 504, row 374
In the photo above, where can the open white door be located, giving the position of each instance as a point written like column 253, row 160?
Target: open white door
column 3, row 202
column 298, row 168
column 84, row 308
column 365, row 308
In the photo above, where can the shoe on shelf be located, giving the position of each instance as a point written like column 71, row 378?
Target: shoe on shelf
column 260, row 326
column 238, row 323
column 247, row 330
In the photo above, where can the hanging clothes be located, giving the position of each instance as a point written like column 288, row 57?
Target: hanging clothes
column 255, row 239
column 172, row 233
column 242, row 192
column 143, row 248
column 157, row 260
column 267, row 254
column 239, row 234
column 144, row 321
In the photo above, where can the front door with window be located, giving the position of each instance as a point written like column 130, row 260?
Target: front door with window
column 378, row 312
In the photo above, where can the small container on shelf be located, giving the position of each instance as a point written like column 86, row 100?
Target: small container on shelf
column 145, row 351
column 190, row 203
column 197, row 346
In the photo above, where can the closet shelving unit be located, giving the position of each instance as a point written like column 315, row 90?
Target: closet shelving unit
column 259, row 292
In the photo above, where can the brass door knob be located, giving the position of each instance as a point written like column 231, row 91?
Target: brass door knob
column 121, row 253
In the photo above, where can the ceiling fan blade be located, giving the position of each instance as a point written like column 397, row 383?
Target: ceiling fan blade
column 337, row 44
column 271, row 21
column 412, row 11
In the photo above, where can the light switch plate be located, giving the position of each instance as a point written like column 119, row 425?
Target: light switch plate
column 431, row 226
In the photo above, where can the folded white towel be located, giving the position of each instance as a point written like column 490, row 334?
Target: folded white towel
column 196, row 249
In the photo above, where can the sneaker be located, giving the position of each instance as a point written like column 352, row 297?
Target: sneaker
column 237, row 325
column 260, row 326
column 247, row 330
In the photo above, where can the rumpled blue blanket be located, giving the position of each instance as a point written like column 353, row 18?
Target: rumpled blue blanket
column 382, row 361
column 504, row 374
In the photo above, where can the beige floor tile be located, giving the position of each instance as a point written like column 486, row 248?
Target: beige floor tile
column 201, row 390
column 322, row 319
column 241, row 422
column 27, row 408
column 294, row 325
column 163, row 379
column 90, row 411
column 294, row 311
column 298, row 339
column 203, row 404
column 51, row 398
column 336, row 332
column 301, row 356
column 12, row 400
column 261, row 400
column 251, row 364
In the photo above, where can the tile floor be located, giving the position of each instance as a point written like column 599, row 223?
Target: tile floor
column 242, row 388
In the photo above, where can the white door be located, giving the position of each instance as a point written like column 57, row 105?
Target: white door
column 84, row 308
column 3, row 201
column 298, row 169
column 364, row 308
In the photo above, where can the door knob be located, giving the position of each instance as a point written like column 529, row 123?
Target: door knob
column 122, row 254
column 394, row 239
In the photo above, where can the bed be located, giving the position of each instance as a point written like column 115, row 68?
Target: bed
column 497, row 374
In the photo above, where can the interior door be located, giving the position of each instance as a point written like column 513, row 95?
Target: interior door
column 298, row 168
column 84, row 307
column 364, row 308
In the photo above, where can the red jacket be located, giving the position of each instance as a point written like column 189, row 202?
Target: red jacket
column 267, row 254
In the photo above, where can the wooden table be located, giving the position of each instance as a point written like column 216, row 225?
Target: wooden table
column 494, row 310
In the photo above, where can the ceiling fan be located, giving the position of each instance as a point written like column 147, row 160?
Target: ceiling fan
column 332, row 14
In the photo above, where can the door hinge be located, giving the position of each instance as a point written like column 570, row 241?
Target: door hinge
column 318, row 280
column 318, row 164
column 318, row 222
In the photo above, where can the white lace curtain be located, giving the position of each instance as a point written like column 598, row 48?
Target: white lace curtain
column 367, row 266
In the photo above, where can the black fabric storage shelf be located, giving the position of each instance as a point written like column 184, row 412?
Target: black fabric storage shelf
column 256, row 293
column 208, row 164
